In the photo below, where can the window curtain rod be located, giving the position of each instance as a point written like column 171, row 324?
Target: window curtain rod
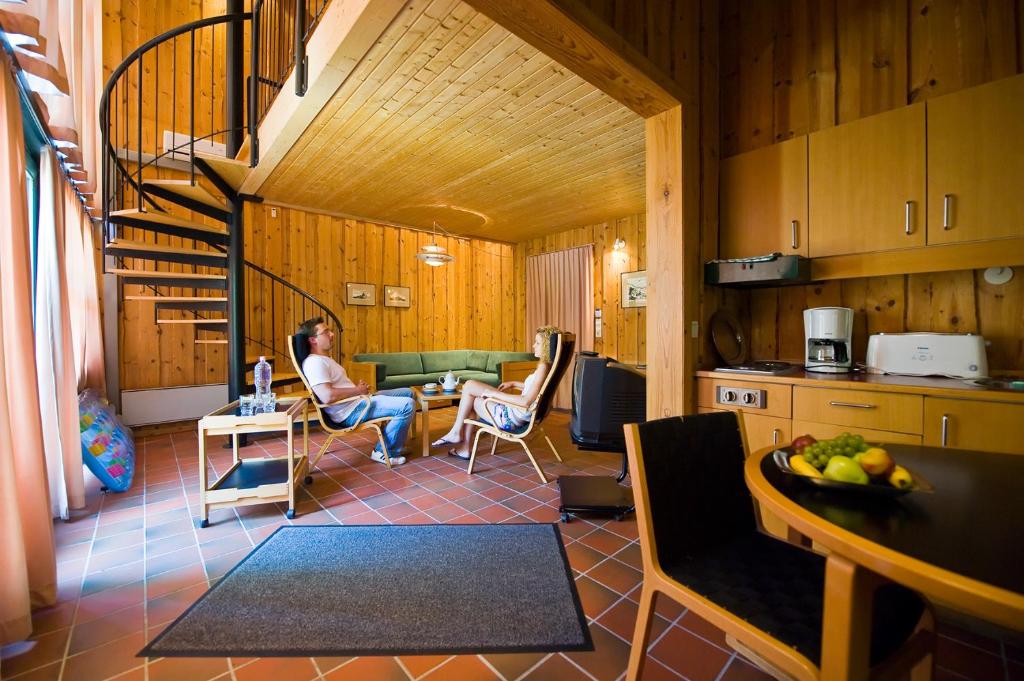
column 37, row 122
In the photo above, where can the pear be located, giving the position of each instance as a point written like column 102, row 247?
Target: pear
column 876, row 462
column 845, row 469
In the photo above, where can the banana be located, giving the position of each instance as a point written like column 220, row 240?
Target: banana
column 901, row 477
column 801, row 467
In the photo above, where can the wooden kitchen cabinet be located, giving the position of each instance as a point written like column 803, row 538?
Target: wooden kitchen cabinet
column 827, row 431
column 968, row 424
column 874, row 410
column 867, row 184
column 764, row 201
column 976, row 163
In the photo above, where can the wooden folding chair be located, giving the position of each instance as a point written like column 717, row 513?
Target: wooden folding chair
column 562, row 347
column 298, row 349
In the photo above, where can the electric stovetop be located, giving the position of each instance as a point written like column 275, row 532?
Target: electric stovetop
column 764, row 368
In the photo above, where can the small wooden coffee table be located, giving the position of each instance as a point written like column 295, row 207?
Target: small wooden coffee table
column 425, row 398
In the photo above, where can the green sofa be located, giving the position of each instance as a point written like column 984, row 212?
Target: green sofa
column 406, row 369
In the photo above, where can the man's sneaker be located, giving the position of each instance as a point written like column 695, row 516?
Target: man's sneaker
column 379, row 458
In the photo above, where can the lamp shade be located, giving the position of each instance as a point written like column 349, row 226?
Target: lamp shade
column 434, row 255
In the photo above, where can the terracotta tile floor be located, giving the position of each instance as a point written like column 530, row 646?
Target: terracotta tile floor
column 130, row 563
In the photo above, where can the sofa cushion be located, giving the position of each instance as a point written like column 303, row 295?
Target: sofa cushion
column 443, row 361
column 395, row 363
column 482, row 376
column 477, row 360
column 405, row 381
column 498, row 357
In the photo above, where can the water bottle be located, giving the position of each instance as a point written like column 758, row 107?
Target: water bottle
column 262, row 380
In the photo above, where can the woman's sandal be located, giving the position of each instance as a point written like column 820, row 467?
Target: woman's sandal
column 452, row 452
column 442, row 441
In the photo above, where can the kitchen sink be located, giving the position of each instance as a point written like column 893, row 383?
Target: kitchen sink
column 998, row 383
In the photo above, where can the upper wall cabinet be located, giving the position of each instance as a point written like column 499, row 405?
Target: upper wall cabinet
column 867, row 184
column 976, row 163
column 764, row 201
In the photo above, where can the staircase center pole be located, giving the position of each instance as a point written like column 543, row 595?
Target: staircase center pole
column 235, row 80
column 236, row 301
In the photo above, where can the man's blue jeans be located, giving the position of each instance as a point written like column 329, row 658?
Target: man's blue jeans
column 399, row 405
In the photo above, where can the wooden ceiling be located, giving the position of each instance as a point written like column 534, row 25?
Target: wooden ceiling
column 449, row 117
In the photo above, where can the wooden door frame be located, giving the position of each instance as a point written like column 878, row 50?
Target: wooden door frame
column 570, row 34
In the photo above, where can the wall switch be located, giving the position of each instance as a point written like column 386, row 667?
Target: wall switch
column 273, row 212
column 694, row 329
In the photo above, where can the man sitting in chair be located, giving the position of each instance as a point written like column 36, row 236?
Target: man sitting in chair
column 330, row 382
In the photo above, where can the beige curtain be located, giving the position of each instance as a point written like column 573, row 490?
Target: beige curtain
column 27, row 560
column 94, row 375
column 560, row 292
column 58, row 379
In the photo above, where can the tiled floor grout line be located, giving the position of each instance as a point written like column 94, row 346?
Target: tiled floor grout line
column 725, row 667
column 81, row 586
column 535, row 666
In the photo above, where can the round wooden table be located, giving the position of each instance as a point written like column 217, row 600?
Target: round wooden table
column 959, row 545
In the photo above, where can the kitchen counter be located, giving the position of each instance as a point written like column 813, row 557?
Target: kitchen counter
column 937, row 387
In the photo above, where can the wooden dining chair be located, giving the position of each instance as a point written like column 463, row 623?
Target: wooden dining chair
column 562, row 347
column 298, row 349
column 700, row 546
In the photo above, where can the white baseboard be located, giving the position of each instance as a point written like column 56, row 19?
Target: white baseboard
column 164, row 405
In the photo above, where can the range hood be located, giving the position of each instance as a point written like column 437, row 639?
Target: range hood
column 774, row 269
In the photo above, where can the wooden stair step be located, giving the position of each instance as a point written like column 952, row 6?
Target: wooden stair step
column 175, row 279
column 192, row 196
column 188, row 256
column 195, row 322
column 211, row 341
column 276, row 380
column 165, row 223
column 232, row 172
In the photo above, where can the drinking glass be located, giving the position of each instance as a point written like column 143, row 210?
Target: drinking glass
column 246, row 405
column 269, row 403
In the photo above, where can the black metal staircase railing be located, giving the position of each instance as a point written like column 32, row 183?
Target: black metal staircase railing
column 167, row 113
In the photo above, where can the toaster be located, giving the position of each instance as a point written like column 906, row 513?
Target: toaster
column 957, row 355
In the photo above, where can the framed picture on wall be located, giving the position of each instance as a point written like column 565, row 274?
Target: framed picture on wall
column 634, row 289
column 360, row 294
column 397, row 296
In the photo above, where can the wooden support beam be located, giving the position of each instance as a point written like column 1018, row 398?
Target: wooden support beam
column 345, row 33
column 573, row 36
column 673, row 262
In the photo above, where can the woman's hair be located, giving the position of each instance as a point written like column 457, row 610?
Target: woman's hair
column 545, row 333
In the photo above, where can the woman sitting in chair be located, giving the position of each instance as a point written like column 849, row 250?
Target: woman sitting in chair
column 505, row 417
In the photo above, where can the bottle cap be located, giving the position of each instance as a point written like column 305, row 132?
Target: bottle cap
column 263, row 358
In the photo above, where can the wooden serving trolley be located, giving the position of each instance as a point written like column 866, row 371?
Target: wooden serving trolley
column 255, row 480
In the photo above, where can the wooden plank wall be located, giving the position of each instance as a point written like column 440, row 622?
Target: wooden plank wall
column 469, row 303
column 624, row 331
column 797, row 66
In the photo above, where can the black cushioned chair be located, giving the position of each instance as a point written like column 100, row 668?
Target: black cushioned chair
column 298, row 348
column 701, row 546
column 562, row 347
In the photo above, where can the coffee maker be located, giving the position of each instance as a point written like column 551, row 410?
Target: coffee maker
column 828, row 332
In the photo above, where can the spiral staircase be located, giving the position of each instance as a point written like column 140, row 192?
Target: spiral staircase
column 174, row 158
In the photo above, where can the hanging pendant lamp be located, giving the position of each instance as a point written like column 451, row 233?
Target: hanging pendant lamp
column 432, row 254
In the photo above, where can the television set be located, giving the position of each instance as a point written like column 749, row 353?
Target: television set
column 605, row 395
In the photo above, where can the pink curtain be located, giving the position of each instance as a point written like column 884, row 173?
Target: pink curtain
column 58, row 379
column 560, row 292
column 28, row 574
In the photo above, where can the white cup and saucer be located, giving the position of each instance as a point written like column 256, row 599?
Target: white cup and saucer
column 430, row 387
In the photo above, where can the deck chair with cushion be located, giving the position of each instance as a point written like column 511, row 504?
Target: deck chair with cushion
column 562, row 347
column 298, row 348
column 701, row 547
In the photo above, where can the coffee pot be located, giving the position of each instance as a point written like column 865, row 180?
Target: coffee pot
column 449, row 381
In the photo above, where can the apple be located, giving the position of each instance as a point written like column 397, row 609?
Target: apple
column 802, row 442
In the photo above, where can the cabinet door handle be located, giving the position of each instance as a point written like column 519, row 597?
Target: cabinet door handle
column 852, row 405
column 907, row 212
column 793, row 228
column 947, row 211
column 945, row 431
column 775, row 435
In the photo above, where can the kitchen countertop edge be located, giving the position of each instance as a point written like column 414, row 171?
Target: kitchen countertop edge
column 928, row 386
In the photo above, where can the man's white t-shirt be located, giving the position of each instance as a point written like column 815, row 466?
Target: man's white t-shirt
column 323, row 373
